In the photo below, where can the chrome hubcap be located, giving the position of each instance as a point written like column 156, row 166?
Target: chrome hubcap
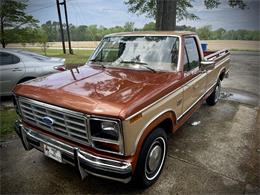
column 154, row 158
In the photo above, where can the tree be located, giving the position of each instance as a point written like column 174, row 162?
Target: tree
column 129, row 26
column 42, row 38
column 149, row 26
column 218, row 34
column 13, row 17
column 167, row 12
column 204, row 32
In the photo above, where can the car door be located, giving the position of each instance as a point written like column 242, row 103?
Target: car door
column 11, row 71
column 195, row 85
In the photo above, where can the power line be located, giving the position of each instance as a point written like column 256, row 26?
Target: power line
column 45, row 7
column 83, row 18
column 41, row 8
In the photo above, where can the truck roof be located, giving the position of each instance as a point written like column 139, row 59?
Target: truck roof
column 152, row 33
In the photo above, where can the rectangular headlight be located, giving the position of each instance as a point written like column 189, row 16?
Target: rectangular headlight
column 104, row 129
column 106, row 134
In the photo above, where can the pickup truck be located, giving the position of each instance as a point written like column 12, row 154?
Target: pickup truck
column 111, row 117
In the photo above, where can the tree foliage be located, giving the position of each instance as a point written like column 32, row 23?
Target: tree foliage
column 206, row 33
column 148, row 7
column 12, row 18
column 152, row 9
column 129, row 26
column 50, row 32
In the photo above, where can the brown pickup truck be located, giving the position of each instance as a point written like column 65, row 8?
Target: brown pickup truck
column 111, row 117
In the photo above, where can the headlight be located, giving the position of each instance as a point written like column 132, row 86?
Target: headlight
column 104, row 129
column 110, row 129
column 106, row 134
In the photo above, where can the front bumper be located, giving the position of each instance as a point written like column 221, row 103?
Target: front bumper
column 84, row 161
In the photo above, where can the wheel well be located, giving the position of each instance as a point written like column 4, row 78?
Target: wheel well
column 25, row 79
column 222, row 75
column 167, row 125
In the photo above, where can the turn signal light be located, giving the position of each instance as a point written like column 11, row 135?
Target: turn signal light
column 60, row 68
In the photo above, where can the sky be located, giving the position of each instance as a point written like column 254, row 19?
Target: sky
column 110, row 13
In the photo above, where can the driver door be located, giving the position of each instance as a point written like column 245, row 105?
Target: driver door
column 196, row 80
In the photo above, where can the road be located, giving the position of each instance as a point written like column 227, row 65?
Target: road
column 221, row 155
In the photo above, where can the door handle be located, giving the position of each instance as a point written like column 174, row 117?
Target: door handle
column 17, row 69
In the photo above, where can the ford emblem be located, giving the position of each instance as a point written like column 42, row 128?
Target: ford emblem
column 48, row 121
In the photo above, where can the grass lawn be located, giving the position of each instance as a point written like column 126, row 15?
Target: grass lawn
column 79, row 57
column 7, row 119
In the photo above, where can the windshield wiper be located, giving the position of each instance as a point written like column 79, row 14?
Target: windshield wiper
column 143, row 64
column 98, row 62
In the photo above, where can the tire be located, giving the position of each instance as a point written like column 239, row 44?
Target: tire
column 149, row 169
column 214, row 97
column 25, row 79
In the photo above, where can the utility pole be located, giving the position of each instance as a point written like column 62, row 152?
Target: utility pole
column 67, row 25
column 61, row 27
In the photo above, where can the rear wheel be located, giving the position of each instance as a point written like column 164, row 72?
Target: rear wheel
column 152, row 158
column 214, row 97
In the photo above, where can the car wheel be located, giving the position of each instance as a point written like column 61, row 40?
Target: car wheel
column 25, row 79
column 214, row 97
column 151, row 158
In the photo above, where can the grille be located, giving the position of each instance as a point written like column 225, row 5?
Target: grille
column 67, row 123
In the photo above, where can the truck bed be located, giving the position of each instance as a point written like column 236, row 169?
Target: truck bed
column 216, row 55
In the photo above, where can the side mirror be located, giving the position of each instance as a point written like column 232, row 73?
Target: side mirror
column 207, row 65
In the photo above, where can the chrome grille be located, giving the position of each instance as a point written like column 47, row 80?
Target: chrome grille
column 67, row 123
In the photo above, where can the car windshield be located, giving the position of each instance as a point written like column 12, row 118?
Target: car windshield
column 138, row 52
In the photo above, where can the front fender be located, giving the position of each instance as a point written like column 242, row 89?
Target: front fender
column 149, row 127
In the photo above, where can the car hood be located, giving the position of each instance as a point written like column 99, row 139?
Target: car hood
column 101, row 91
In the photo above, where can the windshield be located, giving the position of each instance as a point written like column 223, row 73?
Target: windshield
column 139, row 52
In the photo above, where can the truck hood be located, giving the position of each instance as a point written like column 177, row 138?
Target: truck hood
column 101, row 91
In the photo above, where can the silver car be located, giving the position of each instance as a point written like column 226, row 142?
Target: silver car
column 17, row 66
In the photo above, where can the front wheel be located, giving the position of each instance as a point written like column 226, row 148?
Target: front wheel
column 214, row 97
column 152, row 158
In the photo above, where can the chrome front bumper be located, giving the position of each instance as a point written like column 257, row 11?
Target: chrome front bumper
column 85, row 162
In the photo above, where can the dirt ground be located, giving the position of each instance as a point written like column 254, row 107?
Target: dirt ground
column 221, row 155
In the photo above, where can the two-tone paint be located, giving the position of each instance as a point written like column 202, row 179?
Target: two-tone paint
column 141, row 99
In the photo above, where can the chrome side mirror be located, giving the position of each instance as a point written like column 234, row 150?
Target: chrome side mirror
column 207, row 65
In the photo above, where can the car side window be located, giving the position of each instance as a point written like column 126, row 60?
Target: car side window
column 192, row 59
column 7, row 58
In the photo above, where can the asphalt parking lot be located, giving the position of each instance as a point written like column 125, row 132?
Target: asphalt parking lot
column 219, row 155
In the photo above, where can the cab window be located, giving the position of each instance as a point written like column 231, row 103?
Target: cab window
column 192, row 59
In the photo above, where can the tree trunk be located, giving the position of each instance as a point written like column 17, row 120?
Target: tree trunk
column 166, row 15
column 2, row 34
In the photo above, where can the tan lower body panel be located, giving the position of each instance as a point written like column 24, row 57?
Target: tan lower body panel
column 177, row 102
